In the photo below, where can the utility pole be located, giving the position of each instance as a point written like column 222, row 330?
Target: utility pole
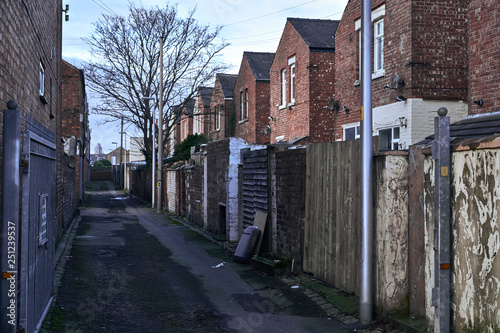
column 121, row 153
column 160, row 131
column 366, row 228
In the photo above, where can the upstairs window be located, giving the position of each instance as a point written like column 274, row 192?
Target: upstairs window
column 246, row 103
column 42, row 80
column 242, row 106
column 377, row 19
column 378, row 46
column 283, row 88
column 217, row 117
column 292, row 83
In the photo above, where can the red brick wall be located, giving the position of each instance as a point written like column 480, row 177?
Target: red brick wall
column 439, row 50
column 322, row 89
column 484, row 55
column 252, row 129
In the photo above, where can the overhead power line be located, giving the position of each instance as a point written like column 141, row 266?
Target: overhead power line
column 279, row 11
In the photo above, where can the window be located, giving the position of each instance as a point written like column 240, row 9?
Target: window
column 377, row 18
column 196, row 119
column 217, row 117
column 292, row 83
column 184, row 129
column 388, row 139
column 42, row 80
column 352, row 133
column 242, row 106
column 283, row 88
column 246, row 103
column 378, row 46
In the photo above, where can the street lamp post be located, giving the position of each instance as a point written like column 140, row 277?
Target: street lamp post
column 153, row 164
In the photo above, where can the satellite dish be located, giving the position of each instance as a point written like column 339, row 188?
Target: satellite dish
column 333, row 104
column 394, row 81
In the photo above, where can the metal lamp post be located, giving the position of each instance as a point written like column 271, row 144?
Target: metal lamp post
column 153, row 163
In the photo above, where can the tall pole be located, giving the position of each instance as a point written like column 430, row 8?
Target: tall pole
column 153, row 162
column 121, row 153
column 366, row 230
column 160, row 131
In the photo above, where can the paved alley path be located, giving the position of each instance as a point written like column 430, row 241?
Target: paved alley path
column 132, row 270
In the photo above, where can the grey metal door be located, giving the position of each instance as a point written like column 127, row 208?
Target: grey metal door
column 38, row 225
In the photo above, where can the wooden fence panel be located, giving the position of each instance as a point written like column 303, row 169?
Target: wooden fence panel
column 331, row 235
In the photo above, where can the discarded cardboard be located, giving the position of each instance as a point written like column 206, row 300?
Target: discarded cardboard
column 259, row 221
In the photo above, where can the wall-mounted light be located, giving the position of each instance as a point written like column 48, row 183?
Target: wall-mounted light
column 479, row 102
column 403, row 121
column 271, row 118
column 400, row 98
column 345, row 109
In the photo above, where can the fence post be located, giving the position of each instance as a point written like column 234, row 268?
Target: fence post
column 441, row 293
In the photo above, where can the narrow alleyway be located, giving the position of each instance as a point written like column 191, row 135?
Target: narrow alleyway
column 132, row 270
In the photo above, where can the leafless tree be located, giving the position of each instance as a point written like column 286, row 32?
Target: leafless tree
column 125, row 64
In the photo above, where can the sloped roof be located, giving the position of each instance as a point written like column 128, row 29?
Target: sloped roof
column 189, row 105
column 227, row 82
column 318, row 34
column 206, row 95
column 260, row 64
column 480, row 125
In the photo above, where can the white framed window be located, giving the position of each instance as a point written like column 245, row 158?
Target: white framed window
column 184, row 129
column 292, row 83
column 378, row 46
column 388, row 139
column 377, row 18
column 352, row 132
column 196, row 119
column 217, row 117
column 283, row 88
column 246, row 103
column 242, row 106
column 42, row 80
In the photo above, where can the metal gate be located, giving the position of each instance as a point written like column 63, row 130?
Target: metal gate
column 38, row 224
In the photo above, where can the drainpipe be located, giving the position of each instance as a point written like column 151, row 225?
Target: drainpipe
column 366, row 228
column 10, row 217
column 441, row 294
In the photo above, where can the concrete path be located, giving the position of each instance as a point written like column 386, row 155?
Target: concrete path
column 132, row 270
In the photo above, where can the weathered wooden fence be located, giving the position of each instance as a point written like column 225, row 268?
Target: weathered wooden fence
column 331, row 236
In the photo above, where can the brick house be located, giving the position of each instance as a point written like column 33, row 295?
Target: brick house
column 302, row 79
column 74, row 124
column 201, row 111
column 184, row 125
column 420, row 64
column 221, row 116
column 251, row 96
column 30, row 127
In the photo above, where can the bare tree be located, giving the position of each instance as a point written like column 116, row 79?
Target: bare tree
column 125, row 64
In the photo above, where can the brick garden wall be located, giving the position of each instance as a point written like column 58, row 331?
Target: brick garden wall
column 217, row 163
column 290, row 203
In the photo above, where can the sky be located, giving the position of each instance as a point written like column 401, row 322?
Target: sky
column 247, row 25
